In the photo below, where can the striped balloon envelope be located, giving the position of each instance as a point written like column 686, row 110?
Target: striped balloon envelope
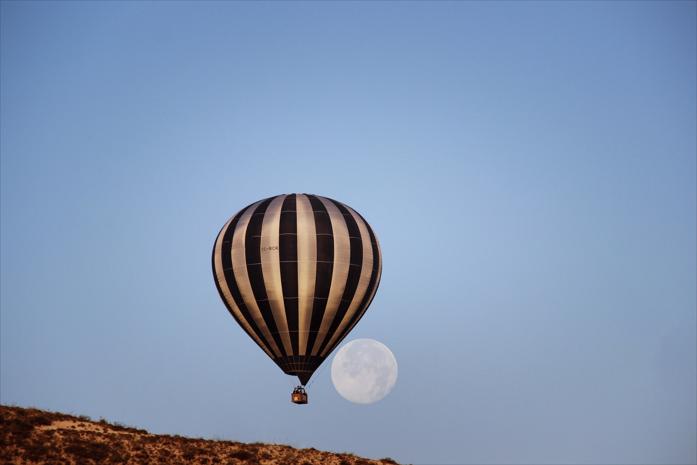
column 297, row 272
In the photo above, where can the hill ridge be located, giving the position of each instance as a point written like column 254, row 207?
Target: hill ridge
column 33, row 436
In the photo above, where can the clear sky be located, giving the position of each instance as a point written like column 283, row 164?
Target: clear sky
column 529, row 168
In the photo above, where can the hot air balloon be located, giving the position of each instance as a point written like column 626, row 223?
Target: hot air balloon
column 297, row 272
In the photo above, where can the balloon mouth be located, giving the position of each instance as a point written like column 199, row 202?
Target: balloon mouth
column 302, row 366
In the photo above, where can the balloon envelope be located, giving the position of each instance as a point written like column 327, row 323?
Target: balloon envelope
column 297, row 272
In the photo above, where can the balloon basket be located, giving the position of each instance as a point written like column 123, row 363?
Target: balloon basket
column 299, row 396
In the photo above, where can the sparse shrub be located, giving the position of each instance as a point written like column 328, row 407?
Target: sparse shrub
column 242, row 455
column 19, row 429
column 36, row 451
column 39, row 419
column 190, row 451
column 86, row 450
column 389, row 460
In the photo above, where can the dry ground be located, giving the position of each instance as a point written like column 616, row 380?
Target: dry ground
column 31, row 436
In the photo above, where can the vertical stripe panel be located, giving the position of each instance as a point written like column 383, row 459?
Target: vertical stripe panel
column 239, row 263
column 252, row 250
column 324, row 266
column 363, row 284
column 271, row 268
column 226, row 259
column 307, row 267
column 288, row 254
column 375, row 276
column 354, row 273
column 342, row 247
column 224, row 290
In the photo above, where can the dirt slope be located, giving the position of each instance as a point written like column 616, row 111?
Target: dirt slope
column 35, row 436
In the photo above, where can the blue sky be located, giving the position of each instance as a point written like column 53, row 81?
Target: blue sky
column 529, row 168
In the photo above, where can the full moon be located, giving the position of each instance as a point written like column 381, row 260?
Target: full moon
column 364, row 371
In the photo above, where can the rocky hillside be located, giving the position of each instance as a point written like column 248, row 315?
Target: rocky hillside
column 30, row 436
